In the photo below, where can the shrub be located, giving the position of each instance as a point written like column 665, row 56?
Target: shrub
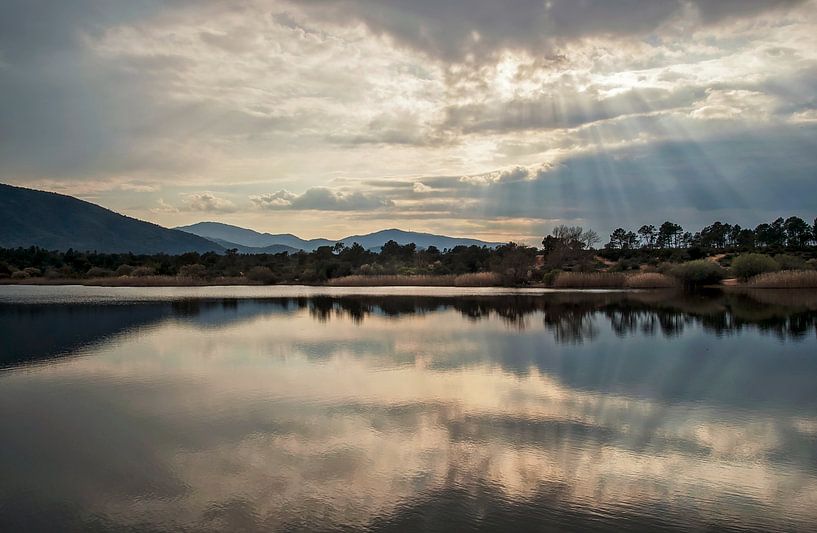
column 261, row 274
column 124, row 270
column 791, row 262
column 98, row 272
column 195, row 271
column 33, row 272
column 697, row 273
column 550, row 276
column 625, row 264
column 20, row 274
column 746, row 266
column 142, row 271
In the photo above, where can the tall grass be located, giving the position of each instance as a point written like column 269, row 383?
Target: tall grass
column 613, row 280
column 650, row 280
column 392, row 281
column 478, row 279
column 589, row 280
column 786, row 279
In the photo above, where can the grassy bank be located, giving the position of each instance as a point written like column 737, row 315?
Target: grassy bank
column 482, row 279
column 787, row 279
column 613, row 280
column 132, row 281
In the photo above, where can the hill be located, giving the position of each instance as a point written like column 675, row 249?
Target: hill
column 58, row 222
column 251, row 238
column 271, row 249
column 226, row 233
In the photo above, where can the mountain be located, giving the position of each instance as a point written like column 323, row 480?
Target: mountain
column 57, row 222
column 225, row 234
column 422, row 240
column 271, row 249
column 251, row 238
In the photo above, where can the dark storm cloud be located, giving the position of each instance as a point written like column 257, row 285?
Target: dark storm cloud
column 748, row 176
column 452, row 30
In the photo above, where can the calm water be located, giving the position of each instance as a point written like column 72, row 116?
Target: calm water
column 290, row 409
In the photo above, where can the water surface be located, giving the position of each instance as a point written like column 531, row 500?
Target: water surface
column 401, row 409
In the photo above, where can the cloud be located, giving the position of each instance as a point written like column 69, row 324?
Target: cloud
column 207, row 202
column 321, row 199
column 734, row 104
column 476, row 30
column 510, row 175
column 466, row 110
column 564, row 107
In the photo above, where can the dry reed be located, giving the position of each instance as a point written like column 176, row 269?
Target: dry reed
column 392, row 281
column 478, row 279
column 786, row 279
column 589, row 280
column 650, row 280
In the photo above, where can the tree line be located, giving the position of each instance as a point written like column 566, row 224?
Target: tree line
column 793, row 232
column 567, row 248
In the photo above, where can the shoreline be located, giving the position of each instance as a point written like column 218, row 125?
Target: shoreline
column 173, row 281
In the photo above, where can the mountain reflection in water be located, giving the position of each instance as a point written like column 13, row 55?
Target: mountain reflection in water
column 559, row 411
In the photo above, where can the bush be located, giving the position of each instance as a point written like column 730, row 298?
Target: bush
column 195, row 271
column 261, row 274
column 698, row 272
column 20, row 274
column 142, row 271
column 550, row 276
column 124, row 270
column 791, row 262
column 98, row 272
column 746, row 266
column 33, row 272
column 624, row 265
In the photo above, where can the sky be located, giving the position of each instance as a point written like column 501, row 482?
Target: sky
column 489, row 119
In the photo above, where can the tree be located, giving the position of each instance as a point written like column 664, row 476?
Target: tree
column 716, row 235
column 745, row 239
column 669, row 235
column 647, row 234
column 621, row 239
column 798, row 232
column 568, row 244
column 514, row 263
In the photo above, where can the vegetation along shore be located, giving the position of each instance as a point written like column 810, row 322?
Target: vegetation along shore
column 780, row 254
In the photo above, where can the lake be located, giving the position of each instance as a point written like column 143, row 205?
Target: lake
column 406, row 409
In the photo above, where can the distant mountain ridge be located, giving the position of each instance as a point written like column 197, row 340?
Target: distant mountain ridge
column 55, row 221
column 58, row 222
column 225, row 234
column 244, row 237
